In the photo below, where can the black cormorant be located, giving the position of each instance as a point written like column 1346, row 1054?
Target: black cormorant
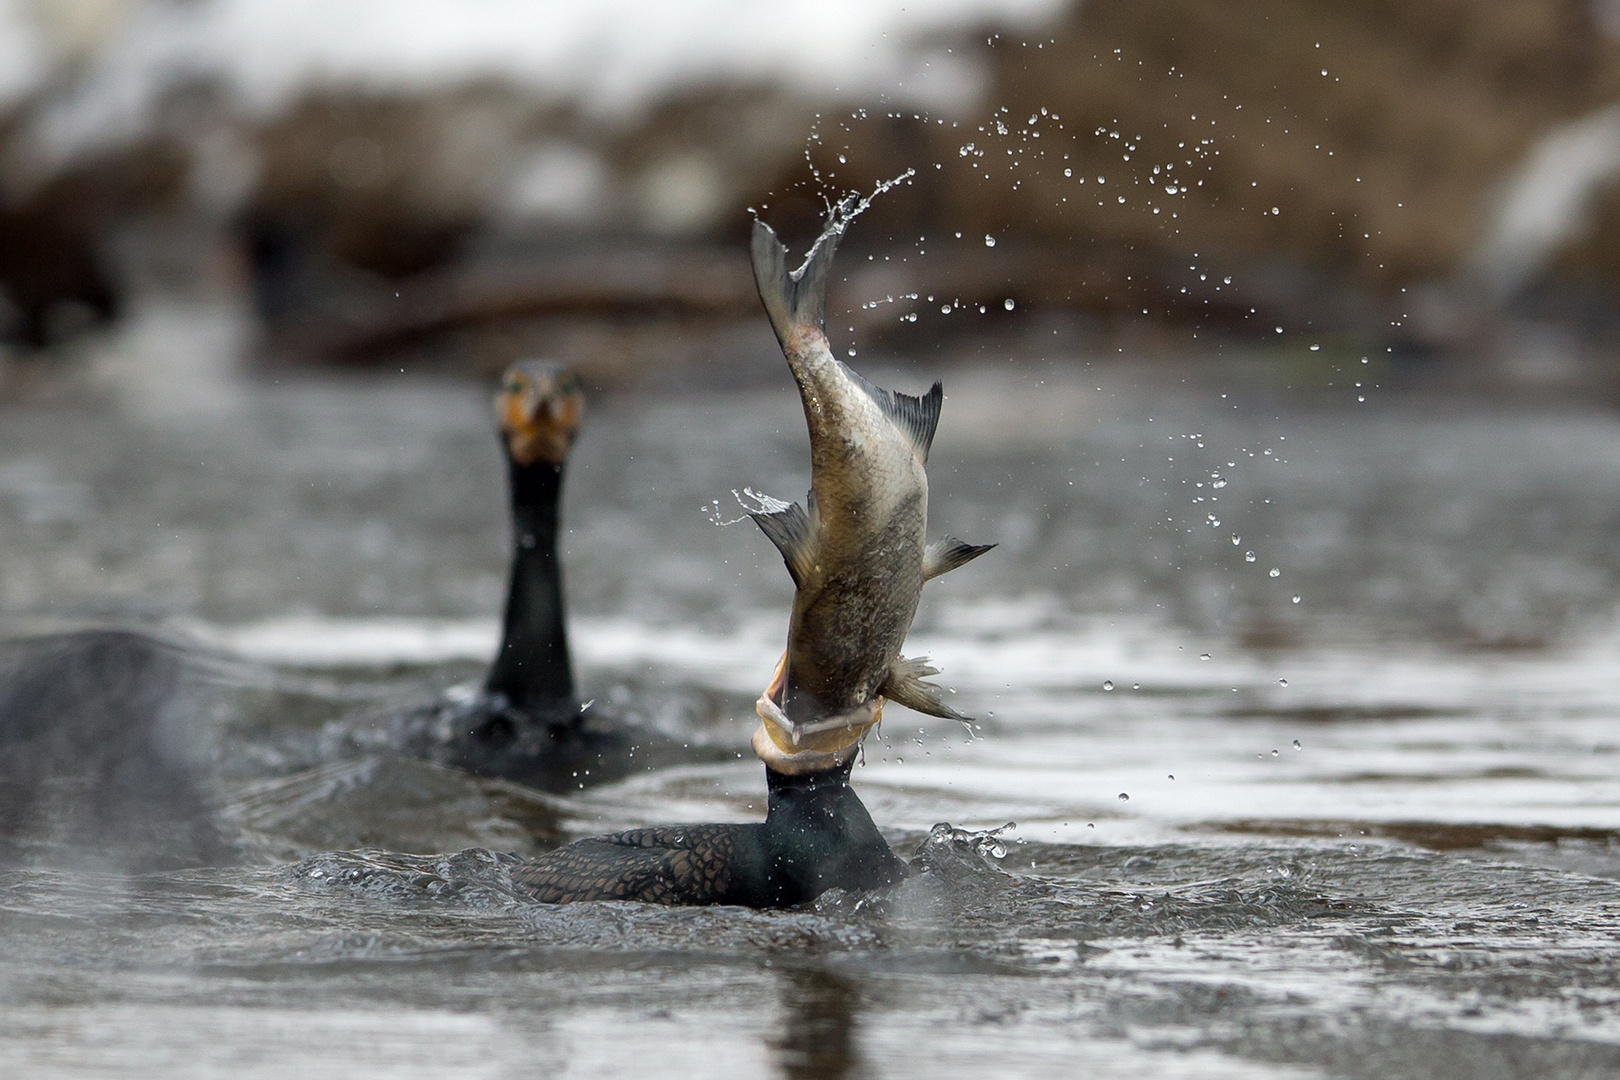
column 526, row 722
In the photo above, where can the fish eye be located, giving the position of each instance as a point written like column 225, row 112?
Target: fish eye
column 569, row 385
column 514, row 386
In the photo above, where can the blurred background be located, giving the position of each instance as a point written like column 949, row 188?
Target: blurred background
column 380, row 183
column 259, row 262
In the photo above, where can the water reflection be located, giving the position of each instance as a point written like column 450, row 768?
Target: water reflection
column 820, row 1011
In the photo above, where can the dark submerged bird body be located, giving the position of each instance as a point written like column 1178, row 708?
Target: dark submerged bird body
column 98, row 764
column 816, row 836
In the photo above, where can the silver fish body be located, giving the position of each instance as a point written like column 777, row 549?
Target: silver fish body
column 857, row 552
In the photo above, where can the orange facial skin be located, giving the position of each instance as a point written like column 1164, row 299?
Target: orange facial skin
column 538, row 409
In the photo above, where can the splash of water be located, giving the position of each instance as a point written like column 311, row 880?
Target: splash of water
column 846, row 210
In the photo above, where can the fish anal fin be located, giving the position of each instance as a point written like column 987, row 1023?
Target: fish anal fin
column 788, row 528
column 905, row 685
column 947, row 553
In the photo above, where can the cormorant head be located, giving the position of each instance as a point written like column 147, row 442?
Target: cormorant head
column 538, row 409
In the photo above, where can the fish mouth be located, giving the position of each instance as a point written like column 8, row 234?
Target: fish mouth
column 792, row 748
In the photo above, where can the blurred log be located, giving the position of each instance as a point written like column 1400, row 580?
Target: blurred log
column 606, row 285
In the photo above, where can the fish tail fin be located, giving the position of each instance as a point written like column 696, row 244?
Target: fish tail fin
column 905, row 685
column 796, row 299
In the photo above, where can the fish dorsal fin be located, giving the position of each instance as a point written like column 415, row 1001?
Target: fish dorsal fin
column 794, row 300
column 788, row 527
column 905, row 685
column 918, row 417
column 948, row 553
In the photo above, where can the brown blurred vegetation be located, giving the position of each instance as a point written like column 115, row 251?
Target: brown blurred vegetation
column 1128, row 161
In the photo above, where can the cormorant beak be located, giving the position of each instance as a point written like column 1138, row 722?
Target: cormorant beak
column 539, row 412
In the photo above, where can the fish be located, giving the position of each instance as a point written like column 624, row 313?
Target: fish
column 856, row 549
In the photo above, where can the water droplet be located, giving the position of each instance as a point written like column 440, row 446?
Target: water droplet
column 1236, row 539
column 1275, row 572
column 1218, row 484
column 1108, row 684
column 1136, row 686
column 1068, row 172
column 912, row 317
column 989, row 241
column 1274, row 753
column 1124, row 797
column 1296, row 598
column 852, row 352
column 1172, row 776
column 945, row 309
column 1007, row 303
column 1297, row 746
column 1090, row 825
column 1248, row 556
column 1282, row 682
column 1203, row 656
column 1316, row 348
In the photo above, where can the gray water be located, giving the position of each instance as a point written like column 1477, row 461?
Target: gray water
column 1368, row 833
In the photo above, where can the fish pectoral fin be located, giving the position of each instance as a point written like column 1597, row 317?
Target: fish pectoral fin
column 788, row 527
column 946, row 554
column 918, row 417
column 905, row 685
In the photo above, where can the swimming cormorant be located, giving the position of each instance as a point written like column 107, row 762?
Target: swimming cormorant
column 526, row 723
column 816, row 836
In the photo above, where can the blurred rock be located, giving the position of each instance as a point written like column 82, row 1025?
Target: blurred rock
column 56, row 271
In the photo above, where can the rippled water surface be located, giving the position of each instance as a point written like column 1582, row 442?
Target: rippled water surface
column 1371, row 831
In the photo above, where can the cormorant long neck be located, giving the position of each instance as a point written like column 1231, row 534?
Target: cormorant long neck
column 532, row 668
column 818, row 835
